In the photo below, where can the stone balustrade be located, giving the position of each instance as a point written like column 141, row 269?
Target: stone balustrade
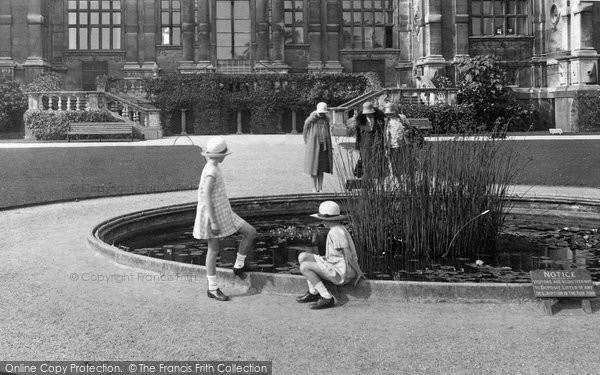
column 145, row 117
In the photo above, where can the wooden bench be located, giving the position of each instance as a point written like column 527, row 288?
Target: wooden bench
column 423, row 124
column 555, row 131
column 99, row 129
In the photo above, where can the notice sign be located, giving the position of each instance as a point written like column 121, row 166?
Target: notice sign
column 573, row 283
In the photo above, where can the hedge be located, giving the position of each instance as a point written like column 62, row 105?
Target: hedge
column 46, row 125
column 13, row 104
column 215, row 99
column 589, row 111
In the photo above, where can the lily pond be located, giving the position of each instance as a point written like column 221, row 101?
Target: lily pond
column 520, row 248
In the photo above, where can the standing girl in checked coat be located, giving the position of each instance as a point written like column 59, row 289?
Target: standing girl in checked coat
column 215, row 219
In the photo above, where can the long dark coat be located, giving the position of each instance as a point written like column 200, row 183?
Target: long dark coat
column 370, row 142
column 311, row 140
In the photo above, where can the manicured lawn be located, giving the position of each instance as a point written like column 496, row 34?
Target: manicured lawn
column 36, row 175
column 559, row 162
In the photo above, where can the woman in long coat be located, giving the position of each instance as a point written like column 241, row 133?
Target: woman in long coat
column 370, row 128
column 318, row 155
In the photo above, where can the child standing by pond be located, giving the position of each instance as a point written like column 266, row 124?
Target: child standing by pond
column 215, row 219
column 339, row 265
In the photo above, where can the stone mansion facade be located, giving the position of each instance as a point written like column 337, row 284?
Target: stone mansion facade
column 548, row 46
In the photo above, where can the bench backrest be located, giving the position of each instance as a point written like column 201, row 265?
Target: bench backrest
column 420, row 123
column 100, row 127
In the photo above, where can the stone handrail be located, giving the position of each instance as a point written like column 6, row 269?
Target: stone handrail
column 426, row 96
column 144, row 116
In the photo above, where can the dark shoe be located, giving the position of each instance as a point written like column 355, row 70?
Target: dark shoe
column 218, row 295
column 308, row 297
column 323, row 303
column 240, row 271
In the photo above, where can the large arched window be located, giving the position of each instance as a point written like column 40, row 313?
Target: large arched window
column 94, row 25
column 499, row 17
column 368, row 24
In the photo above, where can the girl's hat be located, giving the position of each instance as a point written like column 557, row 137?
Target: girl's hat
column 329, row 210
column 216, row 147
column 322, row 108
column 368, row 108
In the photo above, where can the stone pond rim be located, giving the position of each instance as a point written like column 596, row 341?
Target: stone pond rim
column 580, row 212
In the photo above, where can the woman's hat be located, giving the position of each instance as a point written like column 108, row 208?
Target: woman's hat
column 368, row 108
column 329, row 210
column 216, row 147
column 390, row 108
column 322, row 108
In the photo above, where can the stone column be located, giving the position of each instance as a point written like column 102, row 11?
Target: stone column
column 130, row 23
column 461, row 28
column 183, row 122
column 262, row 31
column 6, row 19
column 204, row 35
column 403, row 40
column 148, row 37
column 187, row 25
column 36, row 61
column 187, row 40
column 213, row 32
column 584, row 63
column 316, row 34
column 539, row 45
column 433, row 60
column 278, row 38
column 331, row 38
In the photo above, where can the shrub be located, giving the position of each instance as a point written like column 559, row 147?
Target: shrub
column 483, row 85
column 444, row 118
column 13, row 104
column 45, row 82
column 47, row 125
column 589, row 111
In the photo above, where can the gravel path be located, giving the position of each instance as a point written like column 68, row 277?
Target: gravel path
column 61, row 301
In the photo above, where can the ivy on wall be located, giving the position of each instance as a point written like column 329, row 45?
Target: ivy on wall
column 215, row 99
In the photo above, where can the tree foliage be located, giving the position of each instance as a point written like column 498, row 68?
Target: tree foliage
column 483, row 84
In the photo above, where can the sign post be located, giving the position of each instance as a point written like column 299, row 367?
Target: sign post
column 549, row 285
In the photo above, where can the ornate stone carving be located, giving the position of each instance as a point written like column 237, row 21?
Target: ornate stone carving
column 554, row 16
column 417, row 18
column 93, row 56
column 508, row 49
